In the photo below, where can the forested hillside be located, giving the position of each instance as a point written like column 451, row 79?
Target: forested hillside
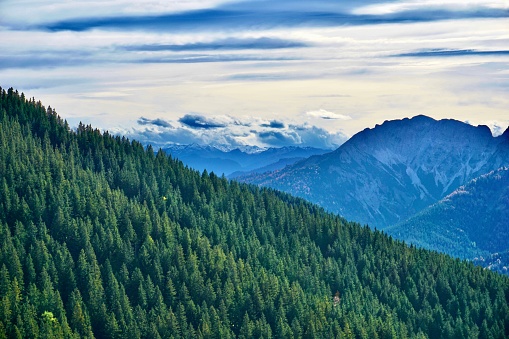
column 472, row 221
column 102, row 238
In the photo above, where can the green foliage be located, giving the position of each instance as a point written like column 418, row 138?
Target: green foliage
column 471, row 222
column 100, row 237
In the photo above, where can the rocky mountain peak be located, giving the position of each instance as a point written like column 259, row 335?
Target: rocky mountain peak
column 384, row 174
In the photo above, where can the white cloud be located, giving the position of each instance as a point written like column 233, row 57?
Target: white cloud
column 395, row 7
column 321, row 113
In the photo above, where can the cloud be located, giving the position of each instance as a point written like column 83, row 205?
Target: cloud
column 302, row 135
column 496, row 129
column 200, row 121
column 206, row 58
column 229, row 133
column 155, row 122
column 450, row 52
column 279, row 139
column 35, row 61
column 189, row 20
column 107, row 13
column 252, row 14
column 321, row 113
column 69, row 60
column 275, row 76
column 224, row 44
column 404, row 6
column 41, row 10
column 274, row 124
column 318, row 137
column 161, row 137
column 230, row 138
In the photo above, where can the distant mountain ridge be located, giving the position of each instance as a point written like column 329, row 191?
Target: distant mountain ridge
column 239, row 161
column 383, row 175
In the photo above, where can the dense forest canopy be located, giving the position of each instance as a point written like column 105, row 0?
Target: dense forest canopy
column 100, row 237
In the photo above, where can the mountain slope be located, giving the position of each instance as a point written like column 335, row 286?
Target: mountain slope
column 237, row 162
column 282, row 163
column 470, row 222
column 100, row 237
column 382, row 176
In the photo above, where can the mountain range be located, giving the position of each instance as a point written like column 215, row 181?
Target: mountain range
column 384, row 175
column 238, row 162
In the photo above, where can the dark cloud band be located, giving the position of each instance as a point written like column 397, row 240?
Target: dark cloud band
column 200, row 122
column 155, row 122
column 274, row 124
column 260, row 17
column 224, row 44
column 450, row 52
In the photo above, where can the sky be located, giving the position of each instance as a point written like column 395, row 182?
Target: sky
column 258, row 73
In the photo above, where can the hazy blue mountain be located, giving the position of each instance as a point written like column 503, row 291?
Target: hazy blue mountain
column 472, row 221
column 282, row 163
column 384, row 175
column 239, row 162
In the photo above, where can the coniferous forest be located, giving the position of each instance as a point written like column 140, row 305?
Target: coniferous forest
column 101, row 237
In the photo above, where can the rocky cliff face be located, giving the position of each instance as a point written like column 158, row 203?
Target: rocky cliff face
column 381, row 176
